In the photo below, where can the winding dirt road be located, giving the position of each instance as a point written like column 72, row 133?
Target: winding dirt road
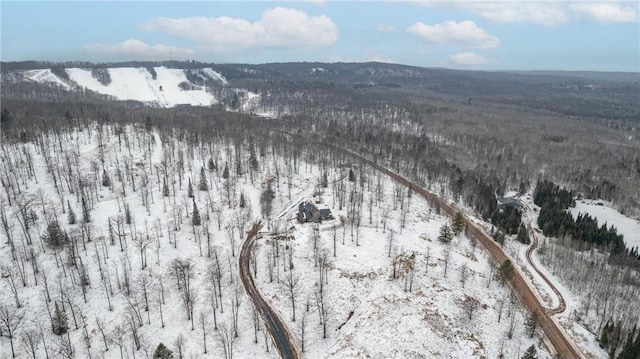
column 562, row 305
column 563, row 346
column 276, row 327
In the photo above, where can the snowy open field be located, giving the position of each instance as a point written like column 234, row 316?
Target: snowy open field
column 628, row 227
column 128, row 287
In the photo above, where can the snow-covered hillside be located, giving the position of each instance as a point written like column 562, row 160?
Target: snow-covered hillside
column 47, row 77
column 162, row 89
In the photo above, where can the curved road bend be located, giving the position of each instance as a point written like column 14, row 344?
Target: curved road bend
column 563, row 346
column 562, row 305
column 276, row 327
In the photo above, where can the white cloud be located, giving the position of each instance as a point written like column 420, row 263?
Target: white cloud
column 278, row 28
column 385, row 28
column 317, row 2
column 465, row 33
column 136, row 49
column 545, row 12
column 467, row 59
column 605, row 13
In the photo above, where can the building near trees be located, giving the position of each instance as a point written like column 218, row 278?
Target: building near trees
column 309, row 212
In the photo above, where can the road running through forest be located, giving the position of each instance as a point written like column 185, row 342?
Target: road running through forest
column 278, row 330
column 563, row 346
column 562, row 305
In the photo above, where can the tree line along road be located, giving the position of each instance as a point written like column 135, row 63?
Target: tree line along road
column 278, row 330
column 562, row 345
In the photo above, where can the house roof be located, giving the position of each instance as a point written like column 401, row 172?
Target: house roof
column 510, row 201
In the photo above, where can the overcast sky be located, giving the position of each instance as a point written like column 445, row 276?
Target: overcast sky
column 510, row 35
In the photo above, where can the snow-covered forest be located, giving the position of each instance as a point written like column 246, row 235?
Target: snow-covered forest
column 120, row 237
column 150, row 226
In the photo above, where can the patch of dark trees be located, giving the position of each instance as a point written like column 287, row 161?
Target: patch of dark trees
column 556, row 221
column 613, row 337
column 102, row 75
column 507, row 219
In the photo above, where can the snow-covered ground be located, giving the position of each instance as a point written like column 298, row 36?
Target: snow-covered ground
column 45, row 76
column 372, row 314
column 429, row 321
column 215, row 75
column 584, row 338
column 628, row 227
column 136, row 83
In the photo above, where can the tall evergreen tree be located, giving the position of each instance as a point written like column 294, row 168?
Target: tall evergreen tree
column 445, row 234
column 71, row 216
column 531, row 353
column 239, row 168
column 86, row 217
column 253, row 161
column 190, row 189
column 203, row 186
column 631, row 349
column 59, row 321
column 106, row 181
column 165, row 188
column 531, row 324
column 211, row 165
column 127, row 213
column 55, row 236
column 324, row 182
column 604, row 334
column 506, row 270
column 162, row 352
column 523, row 235
column 225, row 172
column 5, row 117
column 498, row 236
column 195, row 218
column 457, row 224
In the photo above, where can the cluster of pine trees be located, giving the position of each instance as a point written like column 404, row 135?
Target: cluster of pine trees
column 555, row 221
column 507, row 219
column 612, row 339
column 102, row 75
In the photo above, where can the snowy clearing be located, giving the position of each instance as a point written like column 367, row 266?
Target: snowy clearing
column 45, row 76
column 628, row 227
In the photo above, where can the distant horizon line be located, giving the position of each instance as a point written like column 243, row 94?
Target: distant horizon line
column 470, row 69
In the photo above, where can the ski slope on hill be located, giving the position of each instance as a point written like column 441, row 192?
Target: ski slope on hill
column 45, row 76
column 136, row 83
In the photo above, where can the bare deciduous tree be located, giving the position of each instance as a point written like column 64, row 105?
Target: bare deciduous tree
column 30, row 343
column 293, row 288
column 181, row 346
column 10, row 320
